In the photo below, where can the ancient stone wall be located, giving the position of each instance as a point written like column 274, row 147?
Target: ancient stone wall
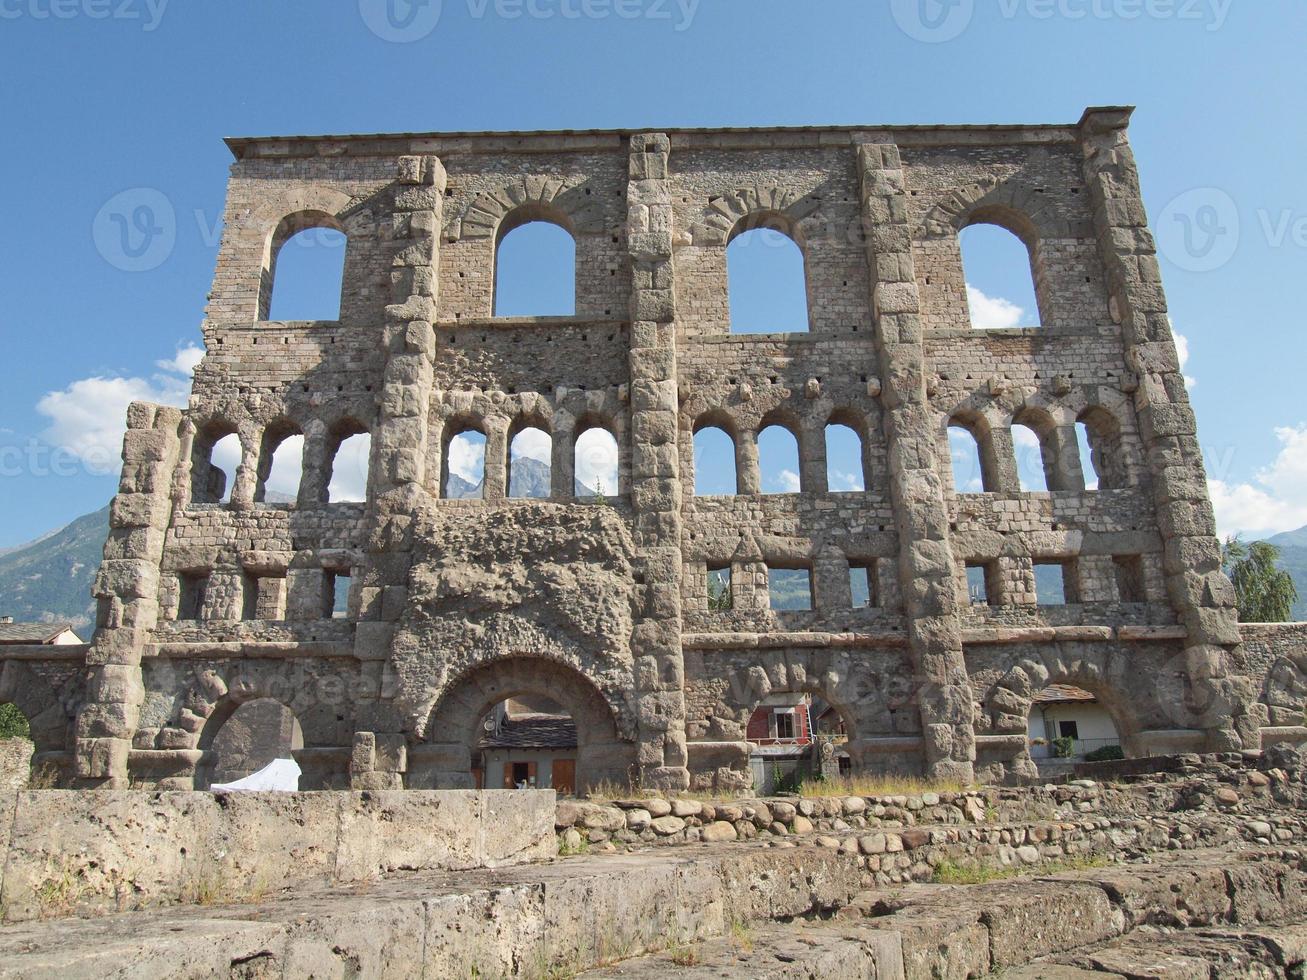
column 602, row 605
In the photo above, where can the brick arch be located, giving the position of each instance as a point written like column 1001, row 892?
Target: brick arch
column 1009, row 204
column 204, row 475
column 277, row 431
column 532, row 198
column 605, row 738
column 760, row 206
column 50, row 724
column 324, row 210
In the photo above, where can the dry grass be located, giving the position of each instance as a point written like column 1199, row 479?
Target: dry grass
column 608, row 791
column 977, row 873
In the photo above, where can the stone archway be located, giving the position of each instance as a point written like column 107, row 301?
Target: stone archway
column 445, row 760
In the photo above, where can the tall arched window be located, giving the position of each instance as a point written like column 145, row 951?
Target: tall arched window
column 463, row 466
column 714, row 463
column 767, row 278
column 281, row 457
column 1085, row 447
column 596, row 464
column 217, row 454
column 778, row 460
column 529, row 472
column 1102, row 450
column 1000, row 280
column 348, row 480
column 845, row 472
column 964, row 453
column 305, row 269
column 535, row 266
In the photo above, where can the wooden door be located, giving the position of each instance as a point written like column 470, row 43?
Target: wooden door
column 564, row 776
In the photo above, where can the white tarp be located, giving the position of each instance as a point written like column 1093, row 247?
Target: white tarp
column 279, row 775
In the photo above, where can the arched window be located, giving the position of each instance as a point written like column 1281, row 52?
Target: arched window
column 714, row 463
column 969, row 474
column 1102, row 450
column 778, row 460
column 281, row 457
column 999, row 271
column 305, row 269
column 596, row 464
column 463, row 466
column 348, row 479
column 535, row 266
column 216, row 456
column 529, row 472
column 1031, row 463
column 767, row 278
column 845, row 472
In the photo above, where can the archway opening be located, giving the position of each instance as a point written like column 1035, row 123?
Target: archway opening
column 964, row 455
column 714, row 463
column 778, row 460
column 1068, row 724
column 794, row 737
column 348, row 481
column 845, row 471
column 535, row 270
column 281, row 466
column 1032, row 470
column 256, row 741
column 527, row 742
column 307, row 269
column 216, row 457
column 767, row 281
column 999, row 275
column 464, row 465
column 529, row 454
column 595, row 464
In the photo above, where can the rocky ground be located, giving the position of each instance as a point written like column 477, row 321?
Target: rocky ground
column 1194, row 872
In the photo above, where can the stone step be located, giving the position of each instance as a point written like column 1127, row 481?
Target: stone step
column 1070, row 925
column 564, row 916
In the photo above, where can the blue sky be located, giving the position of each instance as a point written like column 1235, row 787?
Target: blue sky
column 107, row 96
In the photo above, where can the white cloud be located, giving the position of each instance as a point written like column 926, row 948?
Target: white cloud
column 349, row 472
column 839, row 480
column 1182, row 351
column 788, row 481
column 1275, row 501
column 88, row 417
column 532, row 443
column 992, row 312
column 287, row 467
column 467, row 456
column 596, row 461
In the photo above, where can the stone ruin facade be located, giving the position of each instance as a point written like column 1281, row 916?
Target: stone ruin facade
column 602, row 606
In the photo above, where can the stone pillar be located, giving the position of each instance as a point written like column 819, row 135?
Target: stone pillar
column 495, row 482
column 998, row 459
column 655, row 465
column 562, row 459
column 127, row 588
column 812, row 457
column 1201, row 595
column 748, row 478
column 926, row 563
column 1063, row 470
column 397, row 474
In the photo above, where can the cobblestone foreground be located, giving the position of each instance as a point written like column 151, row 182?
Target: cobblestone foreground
column 1192, row 873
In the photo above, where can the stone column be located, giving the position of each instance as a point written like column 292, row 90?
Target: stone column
column 748, row 478
column 812, row 457
column 1065, row 471
column 397, row 475
column 127, row 588
column 655, row 465
column 930, row 595
column 1201, row 595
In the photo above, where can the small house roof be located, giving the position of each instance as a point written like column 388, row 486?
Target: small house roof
column 1063, row 693
column 30, row 633
column 533, row 732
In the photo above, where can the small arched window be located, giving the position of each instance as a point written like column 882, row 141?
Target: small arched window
column 596, row 463
column 845, row 470
column 1102, row 450
column 767, row 278
column 463, row 463
column 714, row 463
column 1031, row 461
column 305, row 269
column 529, row 457
column 969, row 474
column 281, row 456
column 535, row 265
column 999, row 269
column 348, row 479
column 216, row 456
column 778, row 460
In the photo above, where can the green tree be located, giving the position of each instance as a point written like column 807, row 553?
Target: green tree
column 12, row 722
column 719, row 591
column 1265, row 592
